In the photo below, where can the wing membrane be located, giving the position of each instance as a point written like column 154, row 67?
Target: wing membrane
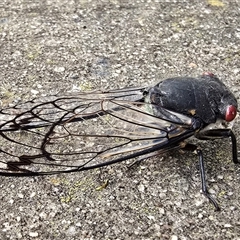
column 82, row 131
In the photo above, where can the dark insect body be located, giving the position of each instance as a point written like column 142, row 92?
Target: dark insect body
column 82, row 131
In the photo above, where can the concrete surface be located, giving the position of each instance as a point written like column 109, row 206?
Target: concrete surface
column 56, row 46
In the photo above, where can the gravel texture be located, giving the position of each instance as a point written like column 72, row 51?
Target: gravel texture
column 50, row 47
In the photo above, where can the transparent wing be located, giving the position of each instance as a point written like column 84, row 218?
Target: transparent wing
column 82, row 131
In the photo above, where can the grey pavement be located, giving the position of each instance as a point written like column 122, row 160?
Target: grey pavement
column 50, row 47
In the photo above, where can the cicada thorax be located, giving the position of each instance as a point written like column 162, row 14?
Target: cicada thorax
column 205, row 98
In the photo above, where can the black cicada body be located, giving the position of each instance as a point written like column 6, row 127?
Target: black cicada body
column 82, row 131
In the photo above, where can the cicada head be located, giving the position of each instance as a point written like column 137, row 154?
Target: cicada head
column 224, row 100
column 228, row 107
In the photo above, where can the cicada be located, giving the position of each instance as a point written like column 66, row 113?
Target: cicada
column 87, row 130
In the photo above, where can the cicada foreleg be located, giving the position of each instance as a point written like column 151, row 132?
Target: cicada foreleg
column 221, row 133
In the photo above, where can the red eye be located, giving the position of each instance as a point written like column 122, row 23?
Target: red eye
column 230, row 113
column 208, row 74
